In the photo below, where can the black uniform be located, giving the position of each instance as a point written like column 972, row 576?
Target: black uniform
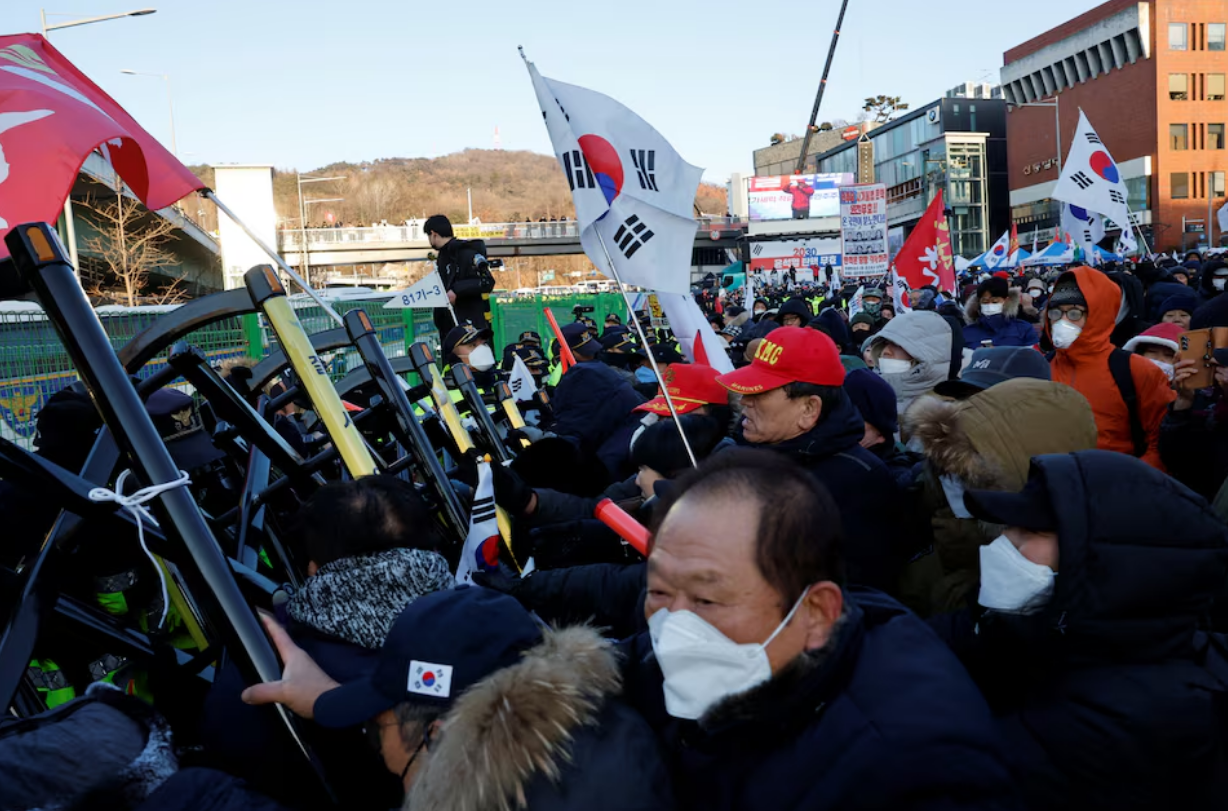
column 463, row 269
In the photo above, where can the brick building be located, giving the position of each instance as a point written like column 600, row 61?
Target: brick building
column 1151, row 78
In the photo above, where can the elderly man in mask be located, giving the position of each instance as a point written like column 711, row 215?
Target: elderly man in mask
column 772, row 685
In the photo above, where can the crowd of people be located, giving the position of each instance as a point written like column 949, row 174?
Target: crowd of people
column 971, row 553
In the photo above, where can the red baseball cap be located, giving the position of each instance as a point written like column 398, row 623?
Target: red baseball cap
column 788, row 355
column 690, row 385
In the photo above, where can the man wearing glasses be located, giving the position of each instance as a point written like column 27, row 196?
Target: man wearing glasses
column 1129, row 395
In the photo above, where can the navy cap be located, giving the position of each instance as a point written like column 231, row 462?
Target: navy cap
column 1030, row 508
column 580, row 339
column 613, row 317
column 666, row 353
column 619, row 342
column 995, row 364
column 459, row 335
column 174, row 415
column 441, row 645
column 530, row 337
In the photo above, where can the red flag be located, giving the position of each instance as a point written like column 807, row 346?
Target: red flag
column 926, row 255
column 51, row 117
column 1014, row 251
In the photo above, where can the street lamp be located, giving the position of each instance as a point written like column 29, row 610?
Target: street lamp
column 302, row 214
column 70, row 227
column 170, row 106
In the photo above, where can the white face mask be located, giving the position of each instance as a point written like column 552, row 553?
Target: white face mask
column 894, row 366
column 1010, row 582
column 991, row 309
column 1036, row 292
column 953, row 489
column 481, row 359
column 1166, row 368
column 701, row 665
column 1218, row 284
column 1065, row 333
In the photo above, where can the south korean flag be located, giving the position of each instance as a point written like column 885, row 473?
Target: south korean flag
column 631, row 190
column 1092, row 181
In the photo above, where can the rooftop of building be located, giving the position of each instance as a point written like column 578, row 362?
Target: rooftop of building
column 1066, row 29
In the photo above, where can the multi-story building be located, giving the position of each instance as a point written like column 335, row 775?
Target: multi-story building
column 956, row 144
column 781, row 158
column 1150, row 76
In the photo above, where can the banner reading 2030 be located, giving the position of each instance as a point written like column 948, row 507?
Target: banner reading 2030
column 863, row 229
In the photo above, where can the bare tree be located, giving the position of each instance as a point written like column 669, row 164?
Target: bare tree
column 131, row 244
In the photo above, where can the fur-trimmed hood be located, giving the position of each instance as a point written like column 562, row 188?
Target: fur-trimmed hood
column 988, row 440
column 1010, row 308
column 517, row 724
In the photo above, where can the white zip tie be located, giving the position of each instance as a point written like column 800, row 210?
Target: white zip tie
column 134, row 504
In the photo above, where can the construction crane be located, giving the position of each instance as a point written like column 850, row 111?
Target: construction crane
column 818, row 99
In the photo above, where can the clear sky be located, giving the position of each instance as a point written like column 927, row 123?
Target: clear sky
column 301, row 83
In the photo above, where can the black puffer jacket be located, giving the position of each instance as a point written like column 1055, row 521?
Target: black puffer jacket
column 1111, row 698
column 593, row 407
column 860, row 484
column 463, row 269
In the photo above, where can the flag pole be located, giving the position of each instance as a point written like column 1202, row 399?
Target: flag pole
column 656, row 370
column 1138, row 233
column 208, row 194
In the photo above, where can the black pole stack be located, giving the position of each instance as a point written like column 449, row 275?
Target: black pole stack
column 43, row 264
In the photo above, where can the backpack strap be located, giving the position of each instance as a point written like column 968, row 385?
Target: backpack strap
column 1119, row 367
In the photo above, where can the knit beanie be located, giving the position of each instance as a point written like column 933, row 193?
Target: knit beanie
column 874, row 398
column 862, row 318
column 1185, row 300
column 995, row 286
column 1067, row 292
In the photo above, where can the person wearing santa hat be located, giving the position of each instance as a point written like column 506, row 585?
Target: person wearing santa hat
column 1159, row 344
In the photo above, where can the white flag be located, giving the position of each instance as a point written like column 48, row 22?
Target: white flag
column 1092, row 181
column 899, row 293
column 688, row 324
column 631, row 190
column 1223, row 218
column 521, row 382
column 999, row 255
column 481, row 552
column 427, row 293
column 1086, row 228
column 855, row 303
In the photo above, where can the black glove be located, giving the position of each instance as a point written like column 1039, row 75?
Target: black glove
column 512, row 493
column 504, row 579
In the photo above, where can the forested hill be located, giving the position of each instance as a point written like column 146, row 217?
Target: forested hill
column 506, row 187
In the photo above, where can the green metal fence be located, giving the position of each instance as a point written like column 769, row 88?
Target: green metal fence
column 34, row 364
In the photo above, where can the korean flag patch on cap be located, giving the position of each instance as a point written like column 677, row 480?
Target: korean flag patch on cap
column 428, row 679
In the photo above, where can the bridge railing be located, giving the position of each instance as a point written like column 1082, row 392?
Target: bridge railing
column 411, row 232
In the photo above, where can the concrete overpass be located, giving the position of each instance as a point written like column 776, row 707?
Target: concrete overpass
column 328, row 247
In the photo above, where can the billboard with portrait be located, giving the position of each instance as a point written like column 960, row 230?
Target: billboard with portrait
column 795, row 197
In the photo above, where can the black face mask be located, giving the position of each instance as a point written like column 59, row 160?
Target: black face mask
column 618, row 360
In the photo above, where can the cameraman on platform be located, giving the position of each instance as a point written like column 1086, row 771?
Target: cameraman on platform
column 465, row 273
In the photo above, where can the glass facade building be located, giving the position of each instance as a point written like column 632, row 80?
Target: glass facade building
column 957, row 145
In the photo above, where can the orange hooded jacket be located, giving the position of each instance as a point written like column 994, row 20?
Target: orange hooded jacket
column 1084, row 366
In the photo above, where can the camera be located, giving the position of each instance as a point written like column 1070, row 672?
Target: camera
column 494, row 264
column 580, row 309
